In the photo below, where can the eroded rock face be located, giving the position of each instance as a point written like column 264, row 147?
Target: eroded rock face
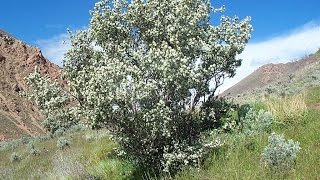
column 19, row 117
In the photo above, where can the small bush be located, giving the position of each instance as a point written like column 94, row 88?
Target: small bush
column 33, row 150
column 62, row 143
column 15, row 157
column 9, row 144
column 256, row 122
column 4, row 145
column 279, row 155
column 25, row 139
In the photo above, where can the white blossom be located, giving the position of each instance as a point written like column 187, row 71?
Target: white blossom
column 151, row 54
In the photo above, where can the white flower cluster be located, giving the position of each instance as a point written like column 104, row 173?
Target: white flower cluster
column 52, row 102
column 134, row 69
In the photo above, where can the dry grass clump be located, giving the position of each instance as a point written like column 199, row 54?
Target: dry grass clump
column 287, row 110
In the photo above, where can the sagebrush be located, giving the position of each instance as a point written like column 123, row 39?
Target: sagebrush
column 280, row 155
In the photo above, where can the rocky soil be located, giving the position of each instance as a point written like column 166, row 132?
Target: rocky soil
column 18, row 116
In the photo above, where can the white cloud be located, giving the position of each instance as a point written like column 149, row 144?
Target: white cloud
column 281, row 49
column 284, row 48
column 55, row 48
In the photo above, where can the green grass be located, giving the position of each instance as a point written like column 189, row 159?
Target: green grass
column 52, row 163
column 313, row 96
column 239, row 162
column 28, row 163
column 91, row 155
column 243, row 160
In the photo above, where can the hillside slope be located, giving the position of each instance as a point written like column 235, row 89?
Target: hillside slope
column 18, row 117
column 270, row 74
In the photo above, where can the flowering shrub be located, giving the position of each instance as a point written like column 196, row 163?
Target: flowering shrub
column 52, row 102
column 280, row 155
column 143, row 70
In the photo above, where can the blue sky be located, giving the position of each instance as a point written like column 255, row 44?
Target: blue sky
column 37, row 19
column 283, row 29
column 31, row 20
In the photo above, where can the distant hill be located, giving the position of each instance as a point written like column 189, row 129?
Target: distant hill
column 271, row 75
column 18, row 117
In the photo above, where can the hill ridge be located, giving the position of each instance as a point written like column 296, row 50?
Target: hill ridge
column 271, row 73
column 18, row 116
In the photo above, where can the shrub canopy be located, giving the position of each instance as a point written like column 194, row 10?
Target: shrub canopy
column 148, row 70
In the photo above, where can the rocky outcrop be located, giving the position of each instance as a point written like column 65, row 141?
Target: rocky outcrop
column 19, row 117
